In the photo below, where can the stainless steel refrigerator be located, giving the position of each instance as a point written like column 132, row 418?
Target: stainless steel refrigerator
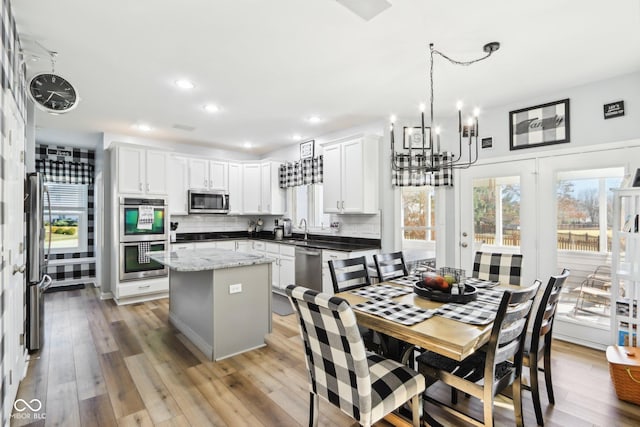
column 37, row 257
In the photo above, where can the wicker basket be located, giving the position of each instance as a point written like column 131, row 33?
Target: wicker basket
column 624, row 367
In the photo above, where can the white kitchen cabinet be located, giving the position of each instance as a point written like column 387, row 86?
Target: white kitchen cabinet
column 350, row 178
column 207, row 245
column 261, row 192
column 178, row 201
column 208, row 174
column 182, row 246
column 141, row 171
column 235, row 188
column 251, row 191
column 283, row 271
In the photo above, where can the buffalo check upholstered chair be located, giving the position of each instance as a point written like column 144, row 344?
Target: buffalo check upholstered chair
column 504, row 268
column 363, row 385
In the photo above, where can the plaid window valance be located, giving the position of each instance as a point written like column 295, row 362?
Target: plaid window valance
column 62, row 172
column 404, row 178
column 302, row 172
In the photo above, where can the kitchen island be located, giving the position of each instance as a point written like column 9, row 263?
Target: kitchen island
column 219, row 299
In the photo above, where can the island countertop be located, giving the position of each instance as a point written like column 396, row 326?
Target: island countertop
column 206, row 259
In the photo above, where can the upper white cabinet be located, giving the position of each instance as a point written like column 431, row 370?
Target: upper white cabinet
column 235, row 188
column 178, row 201
column 350, row 178
column 141, row 171
column 261, row 193
column 208, row 174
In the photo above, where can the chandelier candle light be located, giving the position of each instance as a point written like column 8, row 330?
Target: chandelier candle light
column 430, row 159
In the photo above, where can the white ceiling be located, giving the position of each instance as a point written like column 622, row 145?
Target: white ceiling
column 272, row 64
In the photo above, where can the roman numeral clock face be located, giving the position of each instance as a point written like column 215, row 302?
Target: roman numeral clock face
column 53, row 93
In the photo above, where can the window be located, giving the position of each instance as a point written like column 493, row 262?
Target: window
column 496, row 211
column 418, row 216
column 306, row 202
column 68, row 226
column 585, row 209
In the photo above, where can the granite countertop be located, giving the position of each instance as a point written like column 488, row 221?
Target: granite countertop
column 206, row 259
column 314, row 241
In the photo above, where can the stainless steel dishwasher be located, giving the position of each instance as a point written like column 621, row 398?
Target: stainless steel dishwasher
column 309, row 268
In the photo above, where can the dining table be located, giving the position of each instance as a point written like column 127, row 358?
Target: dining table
column 452, row 330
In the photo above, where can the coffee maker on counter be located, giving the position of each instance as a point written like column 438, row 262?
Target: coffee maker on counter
column 286, row 227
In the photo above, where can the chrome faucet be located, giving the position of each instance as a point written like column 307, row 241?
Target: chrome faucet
column 306, row 230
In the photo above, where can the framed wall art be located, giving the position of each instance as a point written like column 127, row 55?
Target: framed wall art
column 544, row 124
column 307, row 149
column 413, row 137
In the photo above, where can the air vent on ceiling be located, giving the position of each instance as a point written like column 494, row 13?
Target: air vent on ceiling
column 184, row 127
column 365, row 9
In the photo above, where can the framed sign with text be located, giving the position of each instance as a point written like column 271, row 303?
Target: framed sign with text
column 544, row 124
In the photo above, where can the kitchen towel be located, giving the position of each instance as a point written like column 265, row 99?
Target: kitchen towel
column 145, row 217
column 143, row 248
column 405, row 314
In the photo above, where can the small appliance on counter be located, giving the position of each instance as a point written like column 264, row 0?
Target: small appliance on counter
column 286, row 227
column 174, row 227
column 278, row 232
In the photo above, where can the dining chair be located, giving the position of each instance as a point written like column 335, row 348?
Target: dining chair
column 347, row 274
column 501, row 267
column 538, row 342
column 390, row 266
column 494, row 367
column 363, row 385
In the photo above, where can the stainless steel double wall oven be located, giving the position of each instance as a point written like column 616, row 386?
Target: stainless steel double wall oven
column 143, row 229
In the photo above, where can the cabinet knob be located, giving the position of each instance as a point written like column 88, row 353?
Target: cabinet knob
column 343, row 205
column 148, row 187
column 337, row 204
column 140, row 186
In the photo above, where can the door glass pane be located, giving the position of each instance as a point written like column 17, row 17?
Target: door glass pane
column 418, row 214
column 584, row 217
column 496, row 211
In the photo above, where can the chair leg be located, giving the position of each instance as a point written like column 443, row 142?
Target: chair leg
column 416, row 410
column 535, row 388
column 313, row 410
column 488, row 407
column 517, row 400
column 547, row 374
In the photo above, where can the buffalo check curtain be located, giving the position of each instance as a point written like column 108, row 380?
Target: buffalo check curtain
column 405, row 178
column 302, row 172
column 64, row 172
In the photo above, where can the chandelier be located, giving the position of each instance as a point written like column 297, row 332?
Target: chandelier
column 428, row 158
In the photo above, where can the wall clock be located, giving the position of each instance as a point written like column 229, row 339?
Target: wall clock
column 52, row 93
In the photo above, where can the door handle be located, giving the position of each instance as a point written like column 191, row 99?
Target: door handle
column 343, row 205
column 19, row 268
column 337, row 204
column 140, row 186
column 464, row 234
column 147, row 186
column 463, row 244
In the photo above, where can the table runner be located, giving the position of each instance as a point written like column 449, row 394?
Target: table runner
column 380, row 291
column 473, row 313
column 401, row 313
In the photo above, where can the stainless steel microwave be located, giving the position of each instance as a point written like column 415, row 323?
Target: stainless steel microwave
column 208, row 202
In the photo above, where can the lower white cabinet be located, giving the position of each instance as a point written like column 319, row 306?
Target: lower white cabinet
column 283, row 272
column 182, row 246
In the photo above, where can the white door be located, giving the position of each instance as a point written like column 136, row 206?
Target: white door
column 251, row 192
column 13, row 251
column 497, row 205
column 130, row 167
column 235, row 188
column 332, row 180
column 178, row 186
column 218, row 175
column 156, row 172
column 353, row 177
column 198, row 173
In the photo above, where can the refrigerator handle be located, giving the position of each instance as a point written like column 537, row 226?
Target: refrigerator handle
column 46, row 190
column 46, row 282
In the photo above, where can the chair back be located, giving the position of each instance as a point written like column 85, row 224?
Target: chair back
column 389, row 266
column 509, row 332
column 504, row 268
column 335, row 355
column 543, row 323
column 347, row 274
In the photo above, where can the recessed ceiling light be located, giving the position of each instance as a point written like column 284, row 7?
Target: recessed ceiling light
column 297, row 137
column 314, row 119
column 184, row 84
column 247, row 145
column 211, row 108
column 143, row 127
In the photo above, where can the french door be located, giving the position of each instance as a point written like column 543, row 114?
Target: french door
column 497, row 205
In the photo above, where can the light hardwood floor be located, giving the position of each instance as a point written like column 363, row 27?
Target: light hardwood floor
column 104, row 365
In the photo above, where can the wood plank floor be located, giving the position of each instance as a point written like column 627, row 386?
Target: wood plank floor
column 104, row 365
